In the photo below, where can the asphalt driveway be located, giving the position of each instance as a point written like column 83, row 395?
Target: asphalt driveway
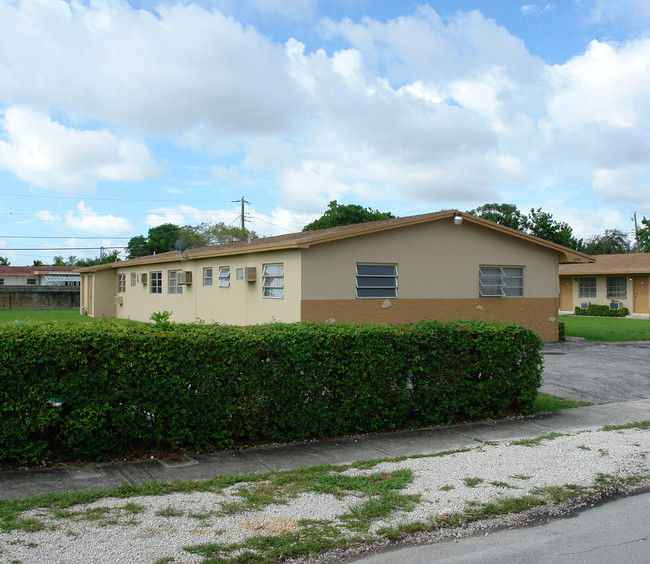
column 597, row 372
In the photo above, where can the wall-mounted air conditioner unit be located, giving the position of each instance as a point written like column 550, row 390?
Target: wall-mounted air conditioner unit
column 143, row 277
column 251, row 274
column 119, row 300
column 585, row 305
column 185, row 277
column 614, row 305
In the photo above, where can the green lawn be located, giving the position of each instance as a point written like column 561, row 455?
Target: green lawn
column 9, row 315
column 545, row 402
column 606, row 328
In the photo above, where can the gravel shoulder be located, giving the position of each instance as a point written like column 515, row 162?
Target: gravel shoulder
column 581, row 466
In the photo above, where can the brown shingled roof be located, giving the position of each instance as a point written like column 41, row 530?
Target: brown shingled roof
column 630, row 263
column 27, row 270
column 305, row 239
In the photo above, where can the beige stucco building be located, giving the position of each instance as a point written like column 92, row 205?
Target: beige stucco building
column 443, row 265
column 612, row 280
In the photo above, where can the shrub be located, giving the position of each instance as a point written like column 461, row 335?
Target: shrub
column 562, row 331
column 132, row 386
column 602, row 311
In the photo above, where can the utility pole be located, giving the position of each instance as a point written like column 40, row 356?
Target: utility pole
column 636, row 233
column 243, row 201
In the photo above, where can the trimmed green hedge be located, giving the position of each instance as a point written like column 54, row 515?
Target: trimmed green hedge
column 602, row 311
column 133, row 387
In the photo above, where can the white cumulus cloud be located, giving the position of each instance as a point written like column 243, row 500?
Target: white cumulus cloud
column 184, row 71
column 51, row 155
column 85, row 219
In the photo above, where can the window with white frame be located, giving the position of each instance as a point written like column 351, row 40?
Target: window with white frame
column 273, row 281
column 376, row 281
column 134, row 279
column 31, row 281
column 586, row 287
column 207, row 277
column 224, row 276
column 239, row 273
column 121, row 283
column 155, row 282
column 616, row 287
column 501, row 281
column 173, row 285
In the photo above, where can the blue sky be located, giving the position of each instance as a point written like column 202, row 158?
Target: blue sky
column 117, row 116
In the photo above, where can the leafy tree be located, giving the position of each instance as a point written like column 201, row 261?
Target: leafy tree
column 193, row 235
column 214, row 234
column 105, row 259
column 137, row 247
column 219, row 233
column 4, row 261
column 503, row 214
column 162, row 238
column 612, row 242
column 38, row 263
column 542, row 225
column 58, row 261
column 538, row 223
column 337, row 215
column 643, row 237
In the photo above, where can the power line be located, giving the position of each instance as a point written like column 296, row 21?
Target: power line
column 62, row 248
column 269, row 223
column 61, row 237
column 182, row 201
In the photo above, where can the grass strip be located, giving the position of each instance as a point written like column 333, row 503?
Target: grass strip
column 645, row 425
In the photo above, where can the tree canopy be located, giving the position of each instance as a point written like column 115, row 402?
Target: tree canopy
column 162, row 238
column 542, row 225
column 337, row 215
column 612, row 242
column 60, row 261
column 537, row 222
column 74, row 261
column 503, row 214
column 214, row 234
column 104, row 259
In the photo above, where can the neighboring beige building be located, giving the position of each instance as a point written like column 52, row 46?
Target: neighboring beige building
column 38, row 276
column 612, row 280
column 443, row 265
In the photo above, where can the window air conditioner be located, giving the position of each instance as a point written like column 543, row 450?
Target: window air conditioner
column 251, row 274
column 584, row 305
column 614, row 305
column 119, row 300
column 185, row 277
column 143, row 277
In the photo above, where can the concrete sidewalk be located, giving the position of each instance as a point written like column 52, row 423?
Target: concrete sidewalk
column 22, row 483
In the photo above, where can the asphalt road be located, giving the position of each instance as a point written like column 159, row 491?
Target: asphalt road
column 597, row 372
column 617, row 531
